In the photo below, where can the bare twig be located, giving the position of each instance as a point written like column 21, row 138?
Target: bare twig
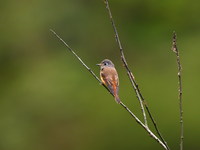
column 123, row 105
column 69, row 48
column 145, row 127
column 176, row 51
column 132, row 79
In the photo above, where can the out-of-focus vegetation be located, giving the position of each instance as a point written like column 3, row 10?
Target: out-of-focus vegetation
column 48, row 100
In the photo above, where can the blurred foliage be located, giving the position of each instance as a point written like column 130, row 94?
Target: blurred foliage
column 49, row 101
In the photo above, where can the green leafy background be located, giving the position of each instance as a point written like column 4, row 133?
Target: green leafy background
column 49, row 101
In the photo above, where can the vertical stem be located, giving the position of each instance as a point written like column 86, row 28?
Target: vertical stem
column 132, row 79
column 176, row 51
column 130, row 75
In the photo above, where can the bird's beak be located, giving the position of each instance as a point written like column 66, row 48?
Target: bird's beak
column 98, row 64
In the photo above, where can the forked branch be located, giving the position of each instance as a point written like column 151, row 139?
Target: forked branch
column 132, row 79
column 176, row 51
column 123, row 105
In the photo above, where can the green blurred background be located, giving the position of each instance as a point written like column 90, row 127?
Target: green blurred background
column 49, row 101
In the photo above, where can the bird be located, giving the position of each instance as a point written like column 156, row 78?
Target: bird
column 109, row 77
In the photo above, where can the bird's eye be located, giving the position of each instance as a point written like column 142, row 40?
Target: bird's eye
column 105, row 64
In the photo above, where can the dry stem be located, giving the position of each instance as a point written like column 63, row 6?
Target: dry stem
column 176, row 51
column 132, row 79
column 123, row 105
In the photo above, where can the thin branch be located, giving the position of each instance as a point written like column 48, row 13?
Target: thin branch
column 145, row 127
column 132, row 79
column 123, row 105
column 176, row 51
column 69, row 48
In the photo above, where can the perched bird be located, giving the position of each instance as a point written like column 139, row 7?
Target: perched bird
column 109, row 77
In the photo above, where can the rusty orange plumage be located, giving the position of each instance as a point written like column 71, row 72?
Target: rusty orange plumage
column 109, row 77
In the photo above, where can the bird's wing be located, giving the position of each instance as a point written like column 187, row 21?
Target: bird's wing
column 110, row 79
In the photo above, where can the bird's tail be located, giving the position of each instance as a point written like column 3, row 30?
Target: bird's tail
column 117, row 99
